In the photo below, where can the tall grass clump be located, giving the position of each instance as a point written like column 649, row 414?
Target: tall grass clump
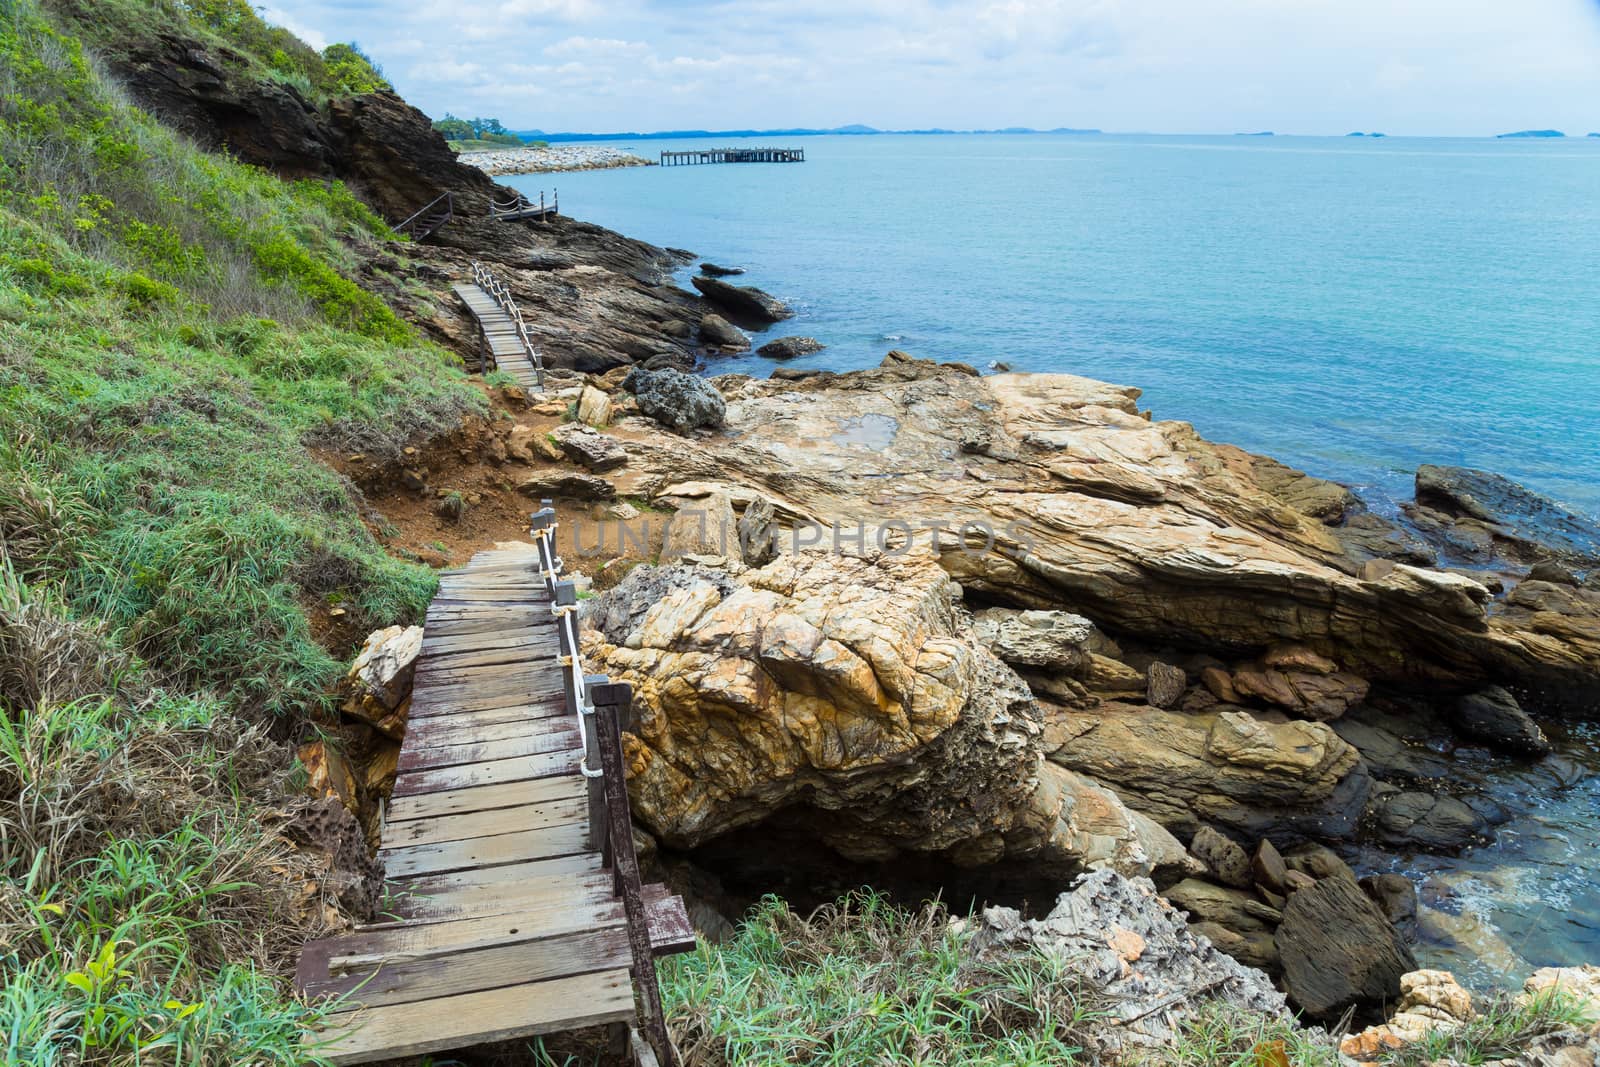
column 149, row 910
column 865, row 982
column 178, row 335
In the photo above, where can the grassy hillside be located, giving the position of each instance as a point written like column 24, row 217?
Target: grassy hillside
column 179, row 334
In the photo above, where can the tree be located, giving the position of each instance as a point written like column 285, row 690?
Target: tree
column 353, row 70
column 455, row 129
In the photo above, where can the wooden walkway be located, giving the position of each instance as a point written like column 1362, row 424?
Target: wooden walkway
column 733, row 155
column 503, row 336
column 514, row 905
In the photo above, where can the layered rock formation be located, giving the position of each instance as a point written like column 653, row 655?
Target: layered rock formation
column 849, row 693
column 1073, row 499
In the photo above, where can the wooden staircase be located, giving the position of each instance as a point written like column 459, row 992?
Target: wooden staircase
column 514, row 901
column 429, row 219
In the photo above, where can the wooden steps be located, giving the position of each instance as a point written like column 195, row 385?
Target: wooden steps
column 500, row 919
column 500, row 337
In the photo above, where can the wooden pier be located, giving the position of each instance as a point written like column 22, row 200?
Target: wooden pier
column 733, row 155
column 514, row 905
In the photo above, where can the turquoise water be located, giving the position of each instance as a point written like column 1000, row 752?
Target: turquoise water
column 1354, row 307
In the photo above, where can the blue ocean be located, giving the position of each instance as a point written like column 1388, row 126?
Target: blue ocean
column 1352, row 306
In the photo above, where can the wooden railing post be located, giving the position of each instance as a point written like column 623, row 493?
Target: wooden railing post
column 598, row 838
column 611, row 706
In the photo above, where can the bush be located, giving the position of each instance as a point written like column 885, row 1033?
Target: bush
column 352, row 70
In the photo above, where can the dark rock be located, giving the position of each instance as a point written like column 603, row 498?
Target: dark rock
column 1494, row 717
column 1267, row 868
column 596, row 451
column 790, row 347
column 714, row 271
column 1223, row 857
column 718, row 331
column 743, row 300
column 673, row 398
column 1164, row 684
column 1319, row 862
column 796, row 374
column 758, row 532
column 678, row 329
column 1297, row 881
column 1395, row 896
column 1426, row 821
column 1550, row 571
column 1339, row 950
column 326, row 829
column 1225, row 918
column 1524, row 523
column 568, row 485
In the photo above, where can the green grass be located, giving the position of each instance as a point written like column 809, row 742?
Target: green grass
column 251, row 49
column 864, row 982
column 1503, row 1029
column 179, row 333
column 1221, row 1036
column 181, row 336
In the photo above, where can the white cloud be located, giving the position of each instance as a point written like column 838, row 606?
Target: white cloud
column 1425, row 66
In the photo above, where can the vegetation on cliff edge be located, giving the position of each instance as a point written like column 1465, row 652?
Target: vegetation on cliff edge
column 178, row 335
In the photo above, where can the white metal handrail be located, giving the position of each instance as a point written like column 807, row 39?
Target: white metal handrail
column 498, row 291
column 550, row 564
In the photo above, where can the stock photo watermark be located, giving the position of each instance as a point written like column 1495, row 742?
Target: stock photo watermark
column 887, row 536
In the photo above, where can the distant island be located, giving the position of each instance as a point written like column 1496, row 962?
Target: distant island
column 1358, row 133
column 1258, row 133
column 851, row 130
column 1594, row 135
column 1531, row 133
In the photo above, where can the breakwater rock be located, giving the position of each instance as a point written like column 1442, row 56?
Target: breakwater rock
column 551, row 158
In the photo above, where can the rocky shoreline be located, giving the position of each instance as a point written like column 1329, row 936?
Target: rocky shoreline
column 552, row 158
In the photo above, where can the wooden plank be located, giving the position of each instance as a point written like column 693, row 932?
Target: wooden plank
column 430, row 714
column 436, row 884
column 495, row 772
column 532, row 743
column 479, row 1018
column 485, row 823
column 490, row 968
column 425, row 941
column 482, row 798
column 457, row 699
column 494, row 898
column 540, row 649
column 442, row 730
column 562, row 840
column 446, row 645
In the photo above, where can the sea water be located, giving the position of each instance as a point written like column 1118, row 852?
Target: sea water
column 1354, row 307
column 1351, row 306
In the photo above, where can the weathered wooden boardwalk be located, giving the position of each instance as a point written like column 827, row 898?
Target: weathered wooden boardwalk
column 733, row 155
column 503, row 335
column 514, row 903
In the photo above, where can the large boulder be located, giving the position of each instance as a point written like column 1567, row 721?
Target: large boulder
column 1338, row 950
column 1521, row 523
column 1494, row 717
column 742, row 301
column 706, row 528
column 673, row 398
column 790, row 347
column 720, row 333
column 1253, row 776
column 1137, row 956
column 851, row 695
column 1049, row 640
column 377, row 687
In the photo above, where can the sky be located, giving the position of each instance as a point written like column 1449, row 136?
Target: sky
column 1425, row 67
